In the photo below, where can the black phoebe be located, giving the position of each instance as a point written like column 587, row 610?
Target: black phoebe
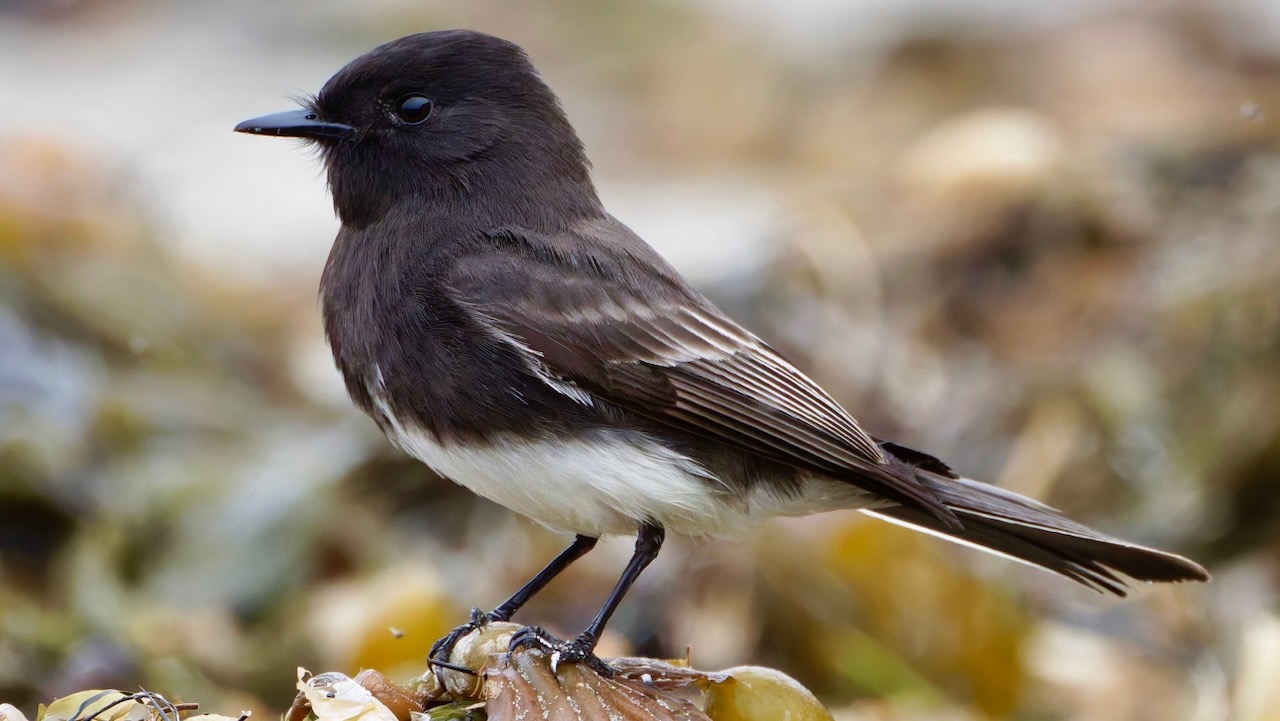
column 500, row 326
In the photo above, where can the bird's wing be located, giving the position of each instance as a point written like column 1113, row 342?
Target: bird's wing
column 616, row 321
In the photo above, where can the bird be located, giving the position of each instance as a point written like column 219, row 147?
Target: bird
column 499, row 325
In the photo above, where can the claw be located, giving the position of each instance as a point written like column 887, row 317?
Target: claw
column 532, row 636
column 452, row 666
column 438, row 656
column 579, row 650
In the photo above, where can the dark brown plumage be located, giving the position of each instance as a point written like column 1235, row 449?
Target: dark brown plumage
column 498, row 324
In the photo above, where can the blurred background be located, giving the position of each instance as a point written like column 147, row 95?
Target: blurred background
column 1039, row 240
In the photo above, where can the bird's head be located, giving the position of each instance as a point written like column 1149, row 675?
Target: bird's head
column 452, row 117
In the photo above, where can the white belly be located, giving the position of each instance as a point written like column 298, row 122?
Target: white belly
column 612, row 484
column 605, row 487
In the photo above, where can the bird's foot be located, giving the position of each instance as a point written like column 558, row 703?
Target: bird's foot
column 579, row 650
column 442, row 650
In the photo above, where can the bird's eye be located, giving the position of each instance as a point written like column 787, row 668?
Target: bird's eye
column 413, row 109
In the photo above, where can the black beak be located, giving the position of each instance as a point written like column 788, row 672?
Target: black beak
column 300, row 123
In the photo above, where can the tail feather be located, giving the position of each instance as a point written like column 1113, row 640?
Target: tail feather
column 1005, row 523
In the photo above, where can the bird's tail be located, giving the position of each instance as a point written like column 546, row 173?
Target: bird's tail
column 1005, row 523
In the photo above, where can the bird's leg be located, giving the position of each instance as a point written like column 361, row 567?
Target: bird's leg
column 442, row 649
column 582, row 648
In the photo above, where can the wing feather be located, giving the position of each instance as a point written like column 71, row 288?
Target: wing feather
column 610, row 316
